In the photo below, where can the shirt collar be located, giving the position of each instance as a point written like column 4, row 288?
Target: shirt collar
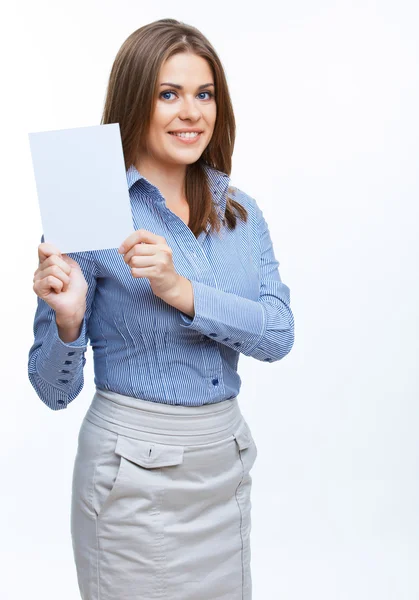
column 218, row 182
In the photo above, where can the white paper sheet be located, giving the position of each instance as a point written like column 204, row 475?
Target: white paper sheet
column 82, row 187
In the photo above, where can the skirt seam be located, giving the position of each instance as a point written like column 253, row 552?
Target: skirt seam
column 237, row 493
column 97, row 562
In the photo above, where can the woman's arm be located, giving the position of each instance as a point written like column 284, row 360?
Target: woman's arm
column 56, row 358
column 263, row 329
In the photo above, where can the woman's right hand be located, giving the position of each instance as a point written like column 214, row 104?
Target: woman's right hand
column 60, row 282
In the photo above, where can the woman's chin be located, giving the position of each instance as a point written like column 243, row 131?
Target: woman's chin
column 185, row 158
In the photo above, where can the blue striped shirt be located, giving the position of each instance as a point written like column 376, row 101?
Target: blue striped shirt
column 146, row 348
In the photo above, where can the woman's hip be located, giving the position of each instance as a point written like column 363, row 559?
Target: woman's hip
column 161, row 496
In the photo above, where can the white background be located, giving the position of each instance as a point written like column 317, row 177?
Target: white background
column 325, row 95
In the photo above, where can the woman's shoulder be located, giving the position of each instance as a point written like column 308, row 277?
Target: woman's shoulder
column 246, row 200
column 241, row 196
column 233, row 191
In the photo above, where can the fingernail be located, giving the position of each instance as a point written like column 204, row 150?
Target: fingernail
column 121, row 249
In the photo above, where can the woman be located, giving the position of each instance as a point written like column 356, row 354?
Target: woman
column 161, row 485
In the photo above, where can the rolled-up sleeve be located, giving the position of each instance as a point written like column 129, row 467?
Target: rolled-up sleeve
column 263, row 329
column 55, row 368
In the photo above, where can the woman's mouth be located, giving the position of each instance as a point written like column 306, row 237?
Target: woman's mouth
column 186, row 138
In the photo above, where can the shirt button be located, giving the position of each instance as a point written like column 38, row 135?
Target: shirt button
column 215, row 381
column 70, row 353
column 237, row 343
column 213, row 334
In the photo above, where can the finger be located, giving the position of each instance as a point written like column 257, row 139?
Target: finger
column 143, row 271
column 44, row 286
column 56, row 260
column 45, row 250
column 129, row 242
column 141, row 262
column 55, row 271
column 141, row 235
column 140, row 250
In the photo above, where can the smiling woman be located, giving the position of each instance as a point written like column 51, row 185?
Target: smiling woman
column 167, row 79
column 161, row 482
column 181, row 124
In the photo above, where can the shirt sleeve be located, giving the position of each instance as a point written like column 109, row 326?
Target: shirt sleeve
column 55, row 368
column 262, row 329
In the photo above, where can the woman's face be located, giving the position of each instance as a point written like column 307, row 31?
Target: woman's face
column 192, row 107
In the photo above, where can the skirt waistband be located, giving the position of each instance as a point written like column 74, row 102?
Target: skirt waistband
column 168, row 423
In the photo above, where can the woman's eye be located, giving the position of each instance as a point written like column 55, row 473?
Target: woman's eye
column 210, row 95
column 166, row 93
column 163, row 95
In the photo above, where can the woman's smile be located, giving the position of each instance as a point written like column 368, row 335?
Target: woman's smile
column 186, row 138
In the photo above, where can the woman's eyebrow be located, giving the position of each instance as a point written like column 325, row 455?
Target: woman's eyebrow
column 180, row 87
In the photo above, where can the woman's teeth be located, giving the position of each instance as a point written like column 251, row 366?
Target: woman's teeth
column 186, row 135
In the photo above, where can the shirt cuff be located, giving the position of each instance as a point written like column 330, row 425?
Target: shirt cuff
column 59, row 362
column 228, row 318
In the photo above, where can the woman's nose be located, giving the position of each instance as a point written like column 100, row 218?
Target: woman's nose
column 190, row 109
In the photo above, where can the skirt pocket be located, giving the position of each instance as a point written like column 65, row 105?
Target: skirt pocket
column 124, row 468
column 246, row 446
column 247, row 450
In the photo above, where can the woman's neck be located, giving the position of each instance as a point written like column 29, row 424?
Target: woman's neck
column 169, row 179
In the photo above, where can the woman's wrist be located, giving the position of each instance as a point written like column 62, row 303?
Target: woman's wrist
column 69, row 329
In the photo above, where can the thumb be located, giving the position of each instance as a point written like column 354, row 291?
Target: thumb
column 69, row 261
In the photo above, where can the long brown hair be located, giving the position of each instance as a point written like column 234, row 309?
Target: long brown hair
column 130, row 102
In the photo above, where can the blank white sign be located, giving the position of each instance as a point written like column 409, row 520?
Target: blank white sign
column 82, row 187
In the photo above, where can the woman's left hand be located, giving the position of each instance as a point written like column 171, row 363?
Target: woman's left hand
column 149, row 256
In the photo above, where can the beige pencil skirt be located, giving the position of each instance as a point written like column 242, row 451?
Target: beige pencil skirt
column 161, row 504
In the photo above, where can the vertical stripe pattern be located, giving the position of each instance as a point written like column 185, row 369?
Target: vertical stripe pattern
column 145, row 348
